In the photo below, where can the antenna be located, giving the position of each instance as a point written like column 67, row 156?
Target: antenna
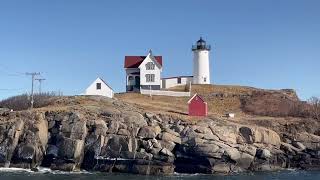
column 40, row 83
column 33, row 74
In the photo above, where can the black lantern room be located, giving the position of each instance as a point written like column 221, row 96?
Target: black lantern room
column 201, row 45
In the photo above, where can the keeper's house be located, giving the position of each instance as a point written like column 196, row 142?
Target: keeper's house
column 143, row 72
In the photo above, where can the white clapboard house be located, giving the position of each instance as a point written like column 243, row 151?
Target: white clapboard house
column 99, row 88
column 143, row 72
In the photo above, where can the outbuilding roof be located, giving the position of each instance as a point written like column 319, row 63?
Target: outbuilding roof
column 196, row 95
column 104, row 82
column 135, row 61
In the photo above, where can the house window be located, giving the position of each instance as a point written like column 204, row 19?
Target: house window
column 150, row 66
column 205, row 79
column 98, row 86
column 179, row 80
column 150, row 78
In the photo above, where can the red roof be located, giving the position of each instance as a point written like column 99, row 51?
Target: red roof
column 196, row 95
column 135, row 61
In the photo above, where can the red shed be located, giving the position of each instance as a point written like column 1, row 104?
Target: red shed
column 197, row 106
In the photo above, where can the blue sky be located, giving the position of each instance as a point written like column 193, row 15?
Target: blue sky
column 267, row 44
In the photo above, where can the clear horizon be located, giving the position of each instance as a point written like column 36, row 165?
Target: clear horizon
column 264, row 44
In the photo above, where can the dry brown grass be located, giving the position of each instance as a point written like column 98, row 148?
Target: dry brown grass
column 217, row 106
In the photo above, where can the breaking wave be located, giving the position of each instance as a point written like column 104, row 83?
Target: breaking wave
column 41, row 170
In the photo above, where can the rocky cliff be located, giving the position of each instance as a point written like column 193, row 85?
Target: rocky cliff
column 115, row 136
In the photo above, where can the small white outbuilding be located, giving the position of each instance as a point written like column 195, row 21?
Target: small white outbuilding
column 99, row 87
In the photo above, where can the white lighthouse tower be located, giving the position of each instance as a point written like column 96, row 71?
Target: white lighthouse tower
column 201, row 68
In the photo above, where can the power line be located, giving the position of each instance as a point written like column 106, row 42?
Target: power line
column 6, row 89
column 8, row 73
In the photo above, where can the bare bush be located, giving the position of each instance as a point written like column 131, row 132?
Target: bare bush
column 22, row 102
column 275, row 105
column 315, row 107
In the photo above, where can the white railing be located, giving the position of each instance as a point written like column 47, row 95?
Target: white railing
column 165, row 93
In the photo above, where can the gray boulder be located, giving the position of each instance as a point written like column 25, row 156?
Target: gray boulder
column 166, row 152
column 170, row 137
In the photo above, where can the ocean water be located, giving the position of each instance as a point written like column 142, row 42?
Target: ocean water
column 45, row 174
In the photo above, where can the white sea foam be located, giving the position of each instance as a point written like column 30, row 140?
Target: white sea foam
column 14, row 170
column 41, row 170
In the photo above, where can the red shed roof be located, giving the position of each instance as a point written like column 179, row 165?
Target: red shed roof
column 135, row 61
column 196, row 95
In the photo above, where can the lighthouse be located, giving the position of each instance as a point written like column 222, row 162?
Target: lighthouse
column 201, row 68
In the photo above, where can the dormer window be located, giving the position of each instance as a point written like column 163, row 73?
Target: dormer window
column 150, row 66
column 98, row 86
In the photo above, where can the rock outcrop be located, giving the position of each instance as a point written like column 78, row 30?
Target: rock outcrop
column 125, row 139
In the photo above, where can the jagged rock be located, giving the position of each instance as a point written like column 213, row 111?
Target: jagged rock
column 194, row 141
column 136, row 155
column 167, row 144
column 260, row 135
column 232, row 153
column 170, row 131
column 263, row 154
column 209, row 150
column 222, row 168
column 245, row 160
column 41, row 128
column 120, row 140
column 100, row 127
column 155, row 143
column 299, row 145
column 155, row 151
column 120, row 143
column 149, row 115
column 225, row 133
column 201, row 129
column 289, row 149
column 310, row 141
column 52, row 150
column 71, row 149
column 149, row 132
column 266, row 136
column 170, row 137
column 251, row 150
column 178, row 128
column 247, row 134
column 134, row 118
column 113, row 127
column 166, row 152
column 124, row 132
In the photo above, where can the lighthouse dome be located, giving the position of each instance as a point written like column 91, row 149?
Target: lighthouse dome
column 201, row 42
column 201, row 45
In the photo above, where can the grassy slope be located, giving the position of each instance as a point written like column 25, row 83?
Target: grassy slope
column 216, row 105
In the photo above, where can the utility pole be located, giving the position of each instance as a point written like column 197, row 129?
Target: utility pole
column 33, row 74
column 40, row 83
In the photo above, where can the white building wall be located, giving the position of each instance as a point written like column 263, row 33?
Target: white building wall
column 104, row 91
column 201, row 67
column 172, row 82
column 143, row 71
column 165, row 93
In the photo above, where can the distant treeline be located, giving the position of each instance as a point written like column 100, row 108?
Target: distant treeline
column 23, row 101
